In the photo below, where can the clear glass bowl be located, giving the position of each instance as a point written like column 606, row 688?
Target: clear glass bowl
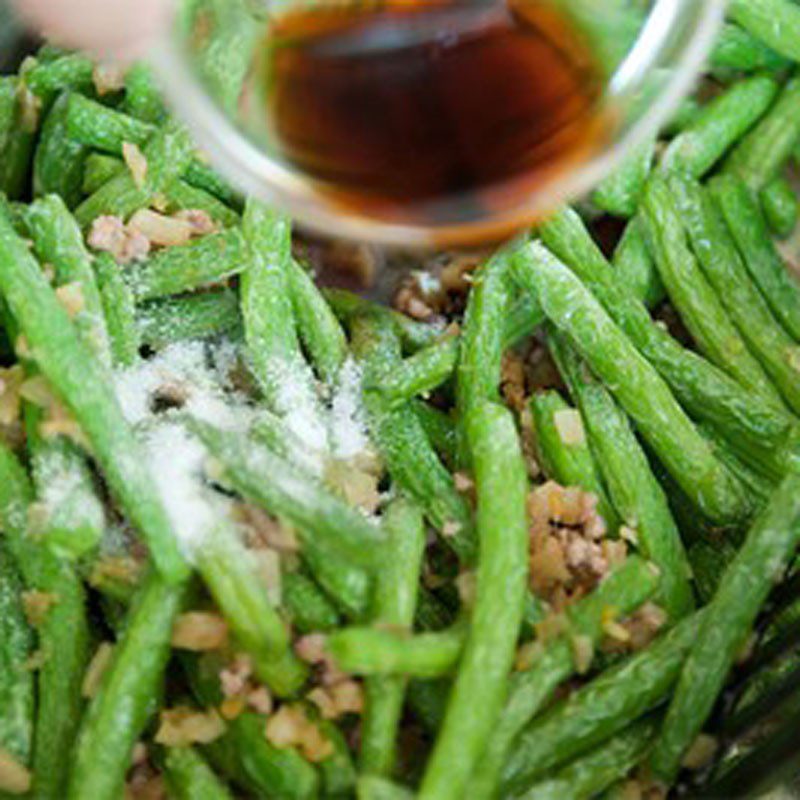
column 645, row 87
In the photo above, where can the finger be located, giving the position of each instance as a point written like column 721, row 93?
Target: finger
column 119, row 29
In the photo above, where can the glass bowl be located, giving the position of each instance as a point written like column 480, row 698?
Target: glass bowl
column 645, row 86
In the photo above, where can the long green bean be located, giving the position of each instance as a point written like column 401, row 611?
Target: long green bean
column 767, row 269
column 410, row 458
column 229, row 573
column 601, row 708
column 781, row 207
column 767, row 551
column 593, row 773
column 566, row 457
column 635, row 384
column 63, row 633
column 620, row 594
column 82, row 384
column 704, row 390
column 480, row 686
column 119, row 712
column 690, row 292
column 719, row 126
column 394, row 603
column 190, row 778
column 746, row 306
column 632, row 486
column 292, row 494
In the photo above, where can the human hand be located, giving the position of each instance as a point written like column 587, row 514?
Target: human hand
column 119, row 29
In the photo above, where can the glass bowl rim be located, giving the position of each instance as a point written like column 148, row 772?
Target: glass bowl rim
column 255, row 173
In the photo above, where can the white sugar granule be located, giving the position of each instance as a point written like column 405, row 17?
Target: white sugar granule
column 298, row 404
column 348, row 430
column 176, row 460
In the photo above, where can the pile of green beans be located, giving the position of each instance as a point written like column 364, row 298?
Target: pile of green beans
column 260, row 539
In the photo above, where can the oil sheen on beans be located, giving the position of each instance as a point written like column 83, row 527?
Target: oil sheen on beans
column 430, row 111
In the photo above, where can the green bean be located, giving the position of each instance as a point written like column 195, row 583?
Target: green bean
column 619, row 194
column 15, row 212
column 727, row 273
column 701, row 310
column 59, row 161
column 766, row 267
column 568, row 462
column 338, row 772
column 166, row 154
column 759, row 487
column 479, row 688
column 50, row 52
column 119, row 310
column 419, row 374
column 57, row 241
column 142, row 97
column 781, row 207
column 69, row 516
column 81, row 382
column 760, row 156
column 183, row 196
column 720, row 125
column 480, row 360
column 283, row 376
column 371, row 787
column 774, row 22
column 292, row 494
column 105, row 129
column 376, row 651
column 428, row 701
column 632, row 486
column 69, row 72
column 119, row 712
column 439, row 428
column 601, row 708
column 225, row 55
column 184, row 268
column 308, row 608
column 252, row 763
column 231, row 578
column 413, row 334
column 189, row 317
column 348, row 587
column 99, row 169
column 709, row 560
column 523, row 318
column 273, row 432
column 635, row 267
column 635, row 384
column 102, row 128
column 736, row 49
column 591, row 774
column 744, row 587
column 620, row 594
column 243, row 753
column 190, row 778
column 17, row 698
column 706, row 392
column 394, row 603
column 17, row 133
column 429, row 367
column 685, row 115
column 179, row 195
column 319, row 330
column 400, row 437
column 63, row 634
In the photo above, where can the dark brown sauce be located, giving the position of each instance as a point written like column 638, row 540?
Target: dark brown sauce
column 431, row 112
